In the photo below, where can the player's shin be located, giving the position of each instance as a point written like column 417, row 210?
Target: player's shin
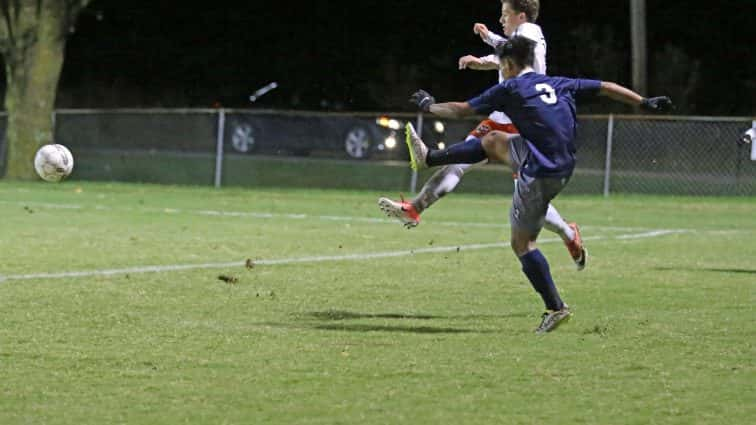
column 536, row 268
column 468, row 152
column 442, row 182
column 555, row 223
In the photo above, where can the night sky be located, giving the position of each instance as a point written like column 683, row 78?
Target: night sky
column 370, row 55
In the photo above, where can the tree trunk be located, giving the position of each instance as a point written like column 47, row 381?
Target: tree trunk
column 32, row 79
column 32, row 42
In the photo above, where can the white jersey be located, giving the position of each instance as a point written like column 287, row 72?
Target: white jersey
column 527, row 30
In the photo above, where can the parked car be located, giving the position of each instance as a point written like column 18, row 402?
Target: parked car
column 340, row 135
column 386, row 137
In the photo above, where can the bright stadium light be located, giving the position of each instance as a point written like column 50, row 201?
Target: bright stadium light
column 441, row 145
column 439, row 127
column 390, row 142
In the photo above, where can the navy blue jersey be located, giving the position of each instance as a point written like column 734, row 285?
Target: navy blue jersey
column 543, row 109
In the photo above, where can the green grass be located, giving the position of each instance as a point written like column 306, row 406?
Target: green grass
column 663, row 331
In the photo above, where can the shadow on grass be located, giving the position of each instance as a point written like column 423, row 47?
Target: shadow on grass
column 315, row 319
column 408, row 329
column 347, row 315
column 707, row 269
column 344, row 327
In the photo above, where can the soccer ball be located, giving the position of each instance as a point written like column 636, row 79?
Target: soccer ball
column 53, row 162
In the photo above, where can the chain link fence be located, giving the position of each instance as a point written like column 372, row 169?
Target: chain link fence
column 225, row 147
column 688, row 156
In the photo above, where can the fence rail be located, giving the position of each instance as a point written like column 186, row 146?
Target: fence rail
column 616, row 153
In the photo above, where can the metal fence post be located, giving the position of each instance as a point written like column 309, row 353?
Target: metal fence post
column 419, row 128
column 608, row 161
column 219, row 147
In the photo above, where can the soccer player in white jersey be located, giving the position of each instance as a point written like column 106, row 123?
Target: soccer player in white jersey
column 517, row 19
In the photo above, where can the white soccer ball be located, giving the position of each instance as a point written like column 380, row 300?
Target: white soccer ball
column 53, row 162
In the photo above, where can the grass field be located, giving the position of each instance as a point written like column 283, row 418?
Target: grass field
column 111, row 310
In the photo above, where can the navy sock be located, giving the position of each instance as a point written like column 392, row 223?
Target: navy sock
column 468, row 152
column 536, row 268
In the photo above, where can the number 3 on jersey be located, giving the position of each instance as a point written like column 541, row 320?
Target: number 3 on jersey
column 550, row 95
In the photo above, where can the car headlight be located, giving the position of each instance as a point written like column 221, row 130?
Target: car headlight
column 388, row 123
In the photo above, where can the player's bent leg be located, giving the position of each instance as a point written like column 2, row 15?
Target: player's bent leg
column 442, row 182
column 449, row 176
column 570, row 234
column 496, row 146
column 445, row 179
column 553, row 221
column 469, row 151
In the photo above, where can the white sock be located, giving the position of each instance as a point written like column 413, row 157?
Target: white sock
column 556, row 224
column 442, row 182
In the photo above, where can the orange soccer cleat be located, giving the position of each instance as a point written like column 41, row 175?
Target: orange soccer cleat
column 403, row 211
column 576, row 248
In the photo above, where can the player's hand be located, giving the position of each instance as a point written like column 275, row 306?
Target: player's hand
column 423, row 100
column 656, row 104
column 747, row 137
column 466, row 61
column 481, row 30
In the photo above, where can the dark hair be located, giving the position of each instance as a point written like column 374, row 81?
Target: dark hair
column 529, row 7
column 519, row 49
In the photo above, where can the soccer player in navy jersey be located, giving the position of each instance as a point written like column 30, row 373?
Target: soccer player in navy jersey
column 518, row 18
column 543, row 109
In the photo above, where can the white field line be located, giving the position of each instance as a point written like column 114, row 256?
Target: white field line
column 312, row 259
column 293, row 216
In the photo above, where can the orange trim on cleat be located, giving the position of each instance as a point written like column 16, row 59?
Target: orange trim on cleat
column 576, row 248
column 402, row 210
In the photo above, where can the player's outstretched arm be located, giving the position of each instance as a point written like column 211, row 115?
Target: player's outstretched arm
column 489, row 37
column 427, row 103
column 485, row 63
column 748, row 137
column 452, row 109
column 482, row 63
column 625, row 95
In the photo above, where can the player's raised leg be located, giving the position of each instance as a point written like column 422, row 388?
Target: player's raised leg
column 447, row 178
column 495, row 145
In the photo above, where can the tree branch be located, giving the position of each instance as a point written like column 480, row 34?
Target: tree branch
column 7, row 35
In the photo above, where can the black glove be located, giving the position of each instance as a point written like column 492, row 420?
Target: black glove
column 423, row 100
column 656, row 104
column 747, row 137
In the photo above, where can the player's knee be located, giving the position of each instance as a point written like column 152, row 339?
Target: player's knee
column 455, row 170
column 519, row 247
column 496, row 146
column 522, row 241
